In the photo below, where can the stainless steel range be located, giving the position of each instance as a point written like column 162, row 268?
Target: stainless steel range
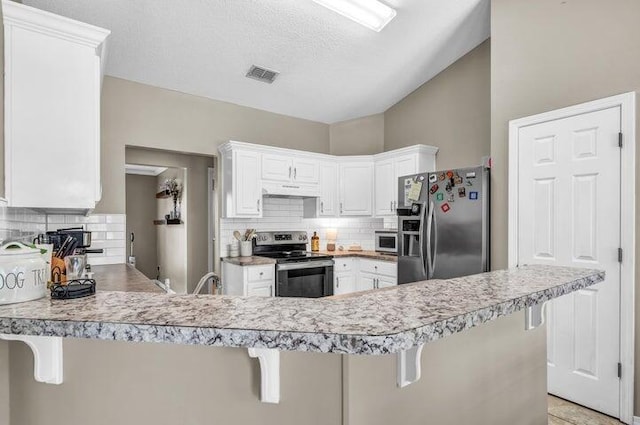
column 298, row 273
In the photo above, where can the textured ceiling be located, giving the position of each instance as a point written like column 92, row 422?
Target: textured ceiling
column 332, row 69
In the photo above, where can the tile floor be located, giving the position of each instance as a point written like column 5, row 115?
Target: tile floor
column 562, row 412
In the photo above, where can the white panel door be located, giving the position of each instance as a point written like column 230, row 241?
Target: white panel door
column 569, row 214
column 328, row 202
column 277, row 168
column 356, row 188
column 385, row 187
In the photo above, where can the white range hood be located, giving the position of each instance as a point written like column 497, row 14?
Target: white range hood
column 290, row 190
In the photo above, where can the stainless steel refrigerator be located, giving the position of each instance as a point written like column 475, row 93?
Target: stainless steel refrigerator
column 443, row 224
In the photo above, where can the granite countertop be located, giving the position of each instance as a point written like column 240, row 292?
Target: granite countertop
column 371, row 322
column 372, row 255
column 249, row 261
column 123, row 277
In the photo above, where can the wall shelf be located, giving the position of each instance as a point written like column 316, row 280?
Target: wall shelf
column 171, row 222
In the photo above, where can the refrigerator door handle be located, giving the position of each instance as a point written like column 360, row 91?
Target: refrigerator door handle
column 422, row 237
column 427, row 264
column 432, row 261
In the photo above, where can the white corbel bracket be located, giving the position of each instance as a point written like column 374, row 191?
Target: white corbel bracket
column 408, row 366
column 47, row 356
column 269, row 373
column 534, row 316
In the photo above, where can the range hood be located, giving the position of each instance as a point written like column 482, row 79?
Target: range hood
column 290, row 190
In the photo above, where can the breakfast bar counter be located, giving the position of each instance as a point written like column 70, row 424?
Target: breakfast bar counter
column 407, row 354
column 371, row 322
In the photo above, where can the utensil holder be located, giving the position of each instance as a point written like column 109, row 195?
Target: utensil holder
column 246, row 249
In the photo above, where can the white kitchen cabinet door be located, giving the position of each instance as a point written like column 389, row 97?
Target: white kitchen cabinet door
column 328, row 201
column 305, row 170
column 356, row 189
column 260, row 289
column 277, row 168
column 344, row 283
column 247, row 187
column 385, row 187
column 52, row 109
column 404, row 166
column 386, row 282
column 366, row 282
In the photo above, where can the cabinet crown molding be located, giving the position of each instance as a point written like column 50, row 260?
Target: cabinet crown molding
column 418, row 148
column 33, row 19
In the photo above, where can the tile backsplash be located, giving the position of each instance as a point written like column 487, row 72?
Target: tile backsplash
column 287, row 214
column 20, row 224
column 108, row 231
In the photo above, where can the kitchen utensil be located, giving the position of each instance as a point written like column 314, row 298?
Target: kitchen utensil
column 237, row 235
column 74, row 265
column 23, row 273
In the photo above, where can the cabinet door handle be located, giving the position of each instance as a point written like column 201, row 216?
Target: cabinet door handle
column 295, row 172
column 321, row 206
column 340, row 207
column 289, row 171
column 258, row 205
column 271, row 291
column 337, row 282
column 391, row 205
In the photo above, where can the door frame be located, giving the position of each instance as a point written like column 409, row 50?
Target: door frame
column 627, row 104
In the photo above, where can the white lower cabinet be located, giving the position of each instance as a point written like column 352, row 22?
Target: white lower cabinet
column 360, row 274
column 240, row 280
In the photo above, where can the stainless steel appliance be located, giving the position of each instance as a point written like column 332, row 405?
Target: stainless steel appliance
column 443, row 230
column 386, row 241
column 298, row 273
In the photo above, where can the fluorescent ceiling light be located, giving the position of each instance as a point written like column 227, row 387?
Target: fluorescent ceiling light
column 370, row 13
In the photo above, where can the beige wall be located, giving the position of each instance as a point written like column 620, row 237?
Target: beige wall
column 197, row 213
column 494, row 374
column 361, row 136
column 546, row 55
column 141, row 211
column 139, row 115
column 451, row 111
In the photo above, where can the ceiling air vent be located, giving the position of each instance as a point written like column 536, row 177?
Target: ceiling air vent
column 262, row 74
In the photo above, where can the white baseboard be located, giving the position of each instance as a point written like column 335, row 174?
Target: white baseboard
column 636, row 420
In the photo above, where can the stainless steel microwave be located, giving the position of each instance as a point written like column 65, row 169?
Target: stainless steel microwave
column 387, row 241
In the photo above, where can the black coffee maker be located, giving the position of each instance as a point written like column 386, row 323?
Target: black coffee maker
column 73, row 240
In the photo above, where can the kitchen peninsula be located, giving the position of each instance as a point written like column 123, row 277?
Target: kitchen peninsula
column 498, row 369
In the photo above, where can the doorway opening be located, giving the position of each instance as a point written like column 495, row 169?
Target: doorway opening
column 171, row 215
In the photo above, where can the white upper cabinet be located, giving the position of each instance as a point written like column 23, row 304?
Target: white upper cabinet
column 282, row 168
column 385, row 187
column 356, row 188
column 330, row 186
column 305, row 170
column 390, row 166
column 328, row 201
column 277, row 168
column 241, row 182
column 53, row 77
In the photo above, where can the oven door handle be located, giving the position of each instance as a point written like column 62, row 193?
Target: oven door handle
column 304, row 265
